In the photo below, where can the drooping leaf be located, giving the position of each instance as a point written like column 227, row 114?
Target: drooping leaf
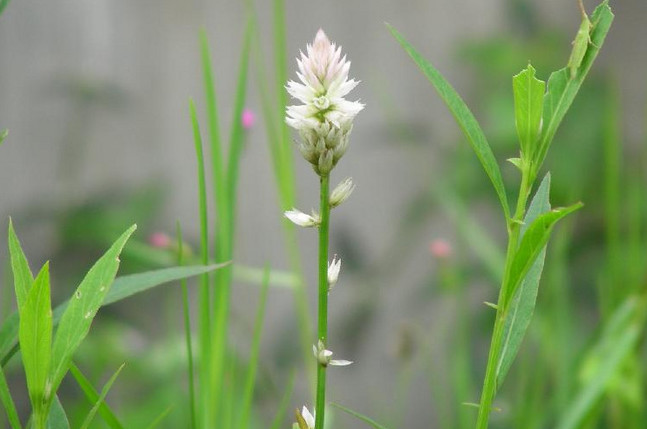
column 528, row 102
column 35, row 334
column 7, row 402
column 57, row 418
column 562, row 87
column 102, row 397
column 83, row 306
column 464, row 118
column 92, row 395
column 617, row 341
column 522, row 306
column 532, row 243
column 362, row 417
column 123, row 287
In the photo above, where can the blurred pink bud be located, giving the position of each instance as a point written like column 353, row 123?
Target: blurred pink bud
column 248, row 118
column 159, row 240
column 440, row 248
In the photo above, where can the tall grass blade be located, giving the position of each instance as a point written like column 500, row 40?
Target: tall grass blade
column 464, row 119
column 252, row 366
column 372, row 423
column 108, row 416
column 101, row 399
column 277, row 423
column 159, row 419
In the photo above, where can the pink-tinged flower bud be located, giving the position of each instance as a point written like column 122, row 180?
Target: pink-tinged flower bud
column 440, row 248
column 160, row 240
column 248, row 118
column 325, row 118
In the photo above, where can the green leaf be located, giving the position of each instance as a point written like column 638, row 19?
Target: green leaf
column 160, row 418
column 57, row 417
column 123, row 287
column 519, row 314
column 532, row 243
column 83, row 306
column 562, row 87
column 620, row 337
column 3, row 133
column 362, row 417
column 528, row 103
column 464, row 118
column 284, row 404
column 35, row 333
column 92, row 395
column 22, row 276
column 102, row 397
column 7, row 402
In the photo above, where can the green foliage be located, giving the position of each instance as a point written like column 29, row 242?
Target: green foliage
column 35, row 336
column 519, row 313
column 464, row 118
column 372, row 423
column 7, row 402
column 57, row 418
column 3, row 133
column 528, row 102
column 92, row 396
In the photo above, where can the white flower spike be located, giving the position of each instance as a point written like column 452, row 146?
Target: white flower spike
column 325, row 119
column 324, row 356
column 334, row 267
column 301, row 219
column 341, row 192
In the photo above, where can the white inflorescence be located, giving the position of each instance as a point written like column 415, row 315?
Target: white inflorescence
column 325, row 118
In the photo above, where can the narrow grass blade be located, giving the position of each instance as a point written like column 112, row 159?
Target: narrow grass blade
column 159, row 419
column 372, row 423
column 528, row 103
column 57, row 417
column 464, row 118
column 532, row 244
column 22, row 276
column 7, row 402
column 92, row 396
column 35, row 334
column 618, row 340
column 204, row 316
column 562, row 89
column 253, row 275
column 522, row 306
column 83, row 306
column 122, row 288
column 187, row 331
column 100, row 400
column 277, row 423
column 252, row 366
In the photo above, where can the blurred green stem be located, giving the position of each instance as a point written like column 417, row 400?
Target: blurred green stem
column 322, row 325
column 514, row 229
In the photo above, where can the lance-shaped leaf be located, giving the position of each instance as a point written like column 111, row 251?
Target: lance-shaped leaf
column 532, row 244
column 22, row 276
column 122, row 288
column 518, row 316
column 528, row 103
column 84, row 304
column 464, row 118
column 35, row 335
column 562, row 87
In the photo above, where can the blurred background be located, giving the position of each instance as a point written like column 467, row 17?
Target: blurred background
column 95, row 96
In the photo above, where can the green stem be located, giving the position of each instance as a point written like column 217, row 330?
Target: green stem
column 322, row 324
column 490, row 381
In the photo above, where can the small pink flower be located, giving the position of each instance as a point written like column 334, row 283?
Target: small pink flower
column 440, row 248
column 248, row 118
column 159, row 240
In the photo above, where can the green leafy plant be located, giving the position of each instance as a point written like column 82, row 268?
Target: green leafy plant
column 538, row 114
